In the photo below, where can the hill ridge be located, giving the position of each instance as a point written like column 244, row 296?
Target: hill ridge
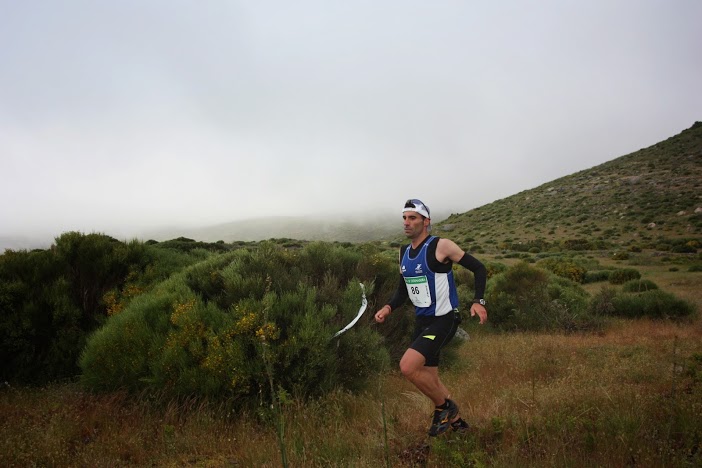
column 649, row 193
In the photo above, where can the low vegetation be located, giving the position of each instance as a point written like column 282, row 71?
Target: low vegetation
column 223, row 356
column 631, row 395
column 225, row 326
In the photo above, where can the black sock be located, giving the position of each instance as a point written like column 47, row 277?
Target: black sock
column 444, row 406
column 459, row 424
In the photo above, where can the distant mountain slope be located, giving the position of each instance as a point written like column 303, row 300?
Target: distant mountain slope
column 303, row 228
column 653, row 193
column 23, row 243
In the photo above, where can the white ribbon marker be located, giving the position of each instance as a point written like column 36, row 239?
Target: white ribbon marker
column 364, row 304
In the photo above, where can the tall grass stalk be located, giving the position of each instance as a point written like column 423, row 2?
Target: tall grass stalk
column 385, row 434
column 275, row 398
column 277, row 410
column 673, row 400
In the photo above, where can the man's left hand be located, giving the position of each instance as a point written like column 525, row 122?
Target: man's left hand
column 480, row 311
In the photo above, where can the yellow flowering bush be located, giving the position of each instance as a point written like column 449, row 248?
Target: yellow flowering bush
column 564, row 267
column 223, row 326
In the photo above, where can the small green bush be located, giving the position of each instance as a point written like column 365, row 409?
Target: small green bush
column 568, row 293
column 596, row 276
column 576, row 244
column 683, row 249
column 620, row 256
column 564, row 267
column 639, row 285
column 525, row 297
column 651, row 304
column 494, row 268
column 695, row 268
column 602, row 303
column 622, row 275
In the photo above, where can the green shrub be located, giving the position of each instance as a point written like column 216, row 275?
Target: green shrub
column 622, row 275
column 184, row 244
column 219, row 326
column 532, row 246
column 528, row 298
column 684, row 248
column 564, row 267
column 596, row 276
column 653, row 304
column 639, row 285
column 602, row 303
column 695, row 268
column 494, row 268
column 620, row 256
column 568, row 293
column 463, row 276
column 577, row 244
column 52, row 299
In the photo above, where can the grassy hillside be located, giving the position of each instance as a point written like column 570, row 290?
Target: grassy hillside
column 644, row 198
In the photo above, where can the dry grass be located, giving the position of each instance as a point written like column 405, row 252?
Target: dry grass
column 631, row 396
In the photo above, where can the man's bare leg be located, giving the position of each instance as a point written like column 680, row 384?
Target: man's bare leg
column 426, row 379
column 435, row 370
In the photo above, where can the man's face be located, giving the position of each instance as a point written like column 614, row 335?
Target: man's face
column 414, row 224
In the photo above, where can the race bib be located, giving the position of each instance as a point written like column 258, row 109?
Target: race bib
column 418, row 289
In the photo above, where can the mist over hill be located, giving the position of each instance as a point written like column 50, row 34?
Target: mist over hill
column 303, row 228
column 23, row 243
column 650, row 194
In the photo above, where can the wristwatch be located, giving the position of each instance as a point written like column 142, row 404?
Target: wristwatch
column 480, row 301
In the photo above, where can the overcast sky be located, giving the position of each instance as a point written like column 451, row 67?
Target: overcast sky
column 120, row 116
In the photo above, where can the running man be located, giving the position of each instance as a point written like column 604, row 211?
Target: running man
column 427, row 280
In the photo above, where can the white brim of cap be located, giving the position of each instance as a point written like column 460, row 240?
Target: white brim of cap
column 422, row 211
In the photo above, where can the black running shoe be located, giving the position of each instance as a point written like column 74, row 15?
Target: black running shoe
column 459, row 425
column 441, row 420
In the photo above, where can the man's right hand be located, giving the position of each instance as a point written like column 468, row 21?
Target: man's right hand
column 382, row 313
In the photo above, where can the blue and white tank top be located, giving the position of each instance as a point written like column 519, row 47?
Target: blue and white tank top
column 433, row 294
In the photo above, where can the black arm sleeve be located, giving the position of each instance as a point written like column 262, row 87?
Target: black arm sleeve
column 479, row 271
column 400, row 295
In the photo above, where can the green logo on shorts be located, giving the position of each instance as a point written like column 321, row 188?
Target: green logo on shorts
column 431, row 337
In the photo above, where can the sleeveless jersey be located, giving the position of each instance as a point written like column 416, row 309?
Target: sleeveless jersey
column 433, row 294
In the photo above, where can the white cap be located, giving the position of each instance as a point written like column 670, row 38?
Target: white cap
column 417, row 206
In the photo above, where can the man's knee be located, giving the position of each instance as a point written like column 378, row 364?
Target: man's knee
column 411, row 363
column 407, row 369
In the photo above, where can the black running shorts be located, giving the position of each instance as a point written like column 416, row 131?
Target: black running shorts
column 433, row 333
